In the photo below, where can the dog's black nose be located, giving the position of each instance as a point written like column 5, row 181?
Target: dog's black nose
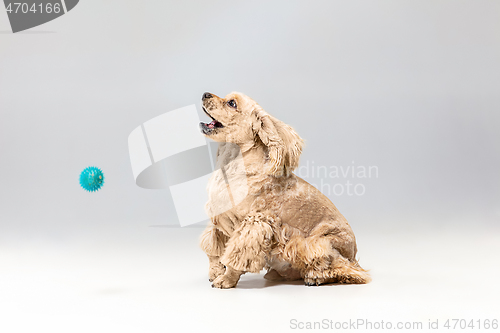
column 206, row 96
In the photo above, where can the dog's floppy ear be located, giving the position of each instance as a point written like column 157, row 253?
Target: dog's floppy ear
column 284, row 144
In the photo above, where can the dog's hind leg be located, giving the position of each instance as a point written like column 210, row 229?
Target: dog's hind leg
column 213, row 242
column 346, row 271
column 334, row 269
column 321, row 263
column 246, row 249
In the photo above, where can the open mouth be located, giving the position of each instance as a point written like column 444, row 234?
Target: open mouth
column 209, row 127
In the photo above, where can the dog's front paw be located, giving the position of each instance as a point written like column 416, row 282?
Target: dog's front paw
column 215, row 271
column 225, row 282
column 310, row 282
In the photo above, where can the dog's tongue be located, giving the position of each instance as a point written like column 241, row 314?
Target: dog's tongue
column 212, row 124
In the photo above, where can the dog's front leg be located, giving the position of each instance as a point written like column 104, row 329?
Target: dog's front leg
column 228, row 280
column 213, row 242
column 246, row 250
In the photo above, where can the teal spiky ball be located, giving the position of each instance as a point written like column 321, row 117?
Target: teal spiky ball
column 91, row 179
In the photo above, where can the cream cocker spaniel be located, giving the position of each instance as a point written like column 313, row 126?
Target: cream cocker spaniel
column 281, row 223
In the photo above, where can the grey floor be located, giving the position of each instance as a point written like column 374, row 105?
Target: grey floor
column 154, row 280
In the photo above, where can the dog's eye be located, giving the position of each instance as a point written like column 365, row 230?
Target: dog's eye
column 232, row 103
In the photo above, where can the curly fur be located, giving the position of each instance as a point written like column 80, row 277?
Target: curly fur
column 247, row 248
column 278, row 221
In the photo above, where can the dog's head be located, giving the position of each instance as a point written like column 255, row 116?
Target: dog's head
column 238, row 119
